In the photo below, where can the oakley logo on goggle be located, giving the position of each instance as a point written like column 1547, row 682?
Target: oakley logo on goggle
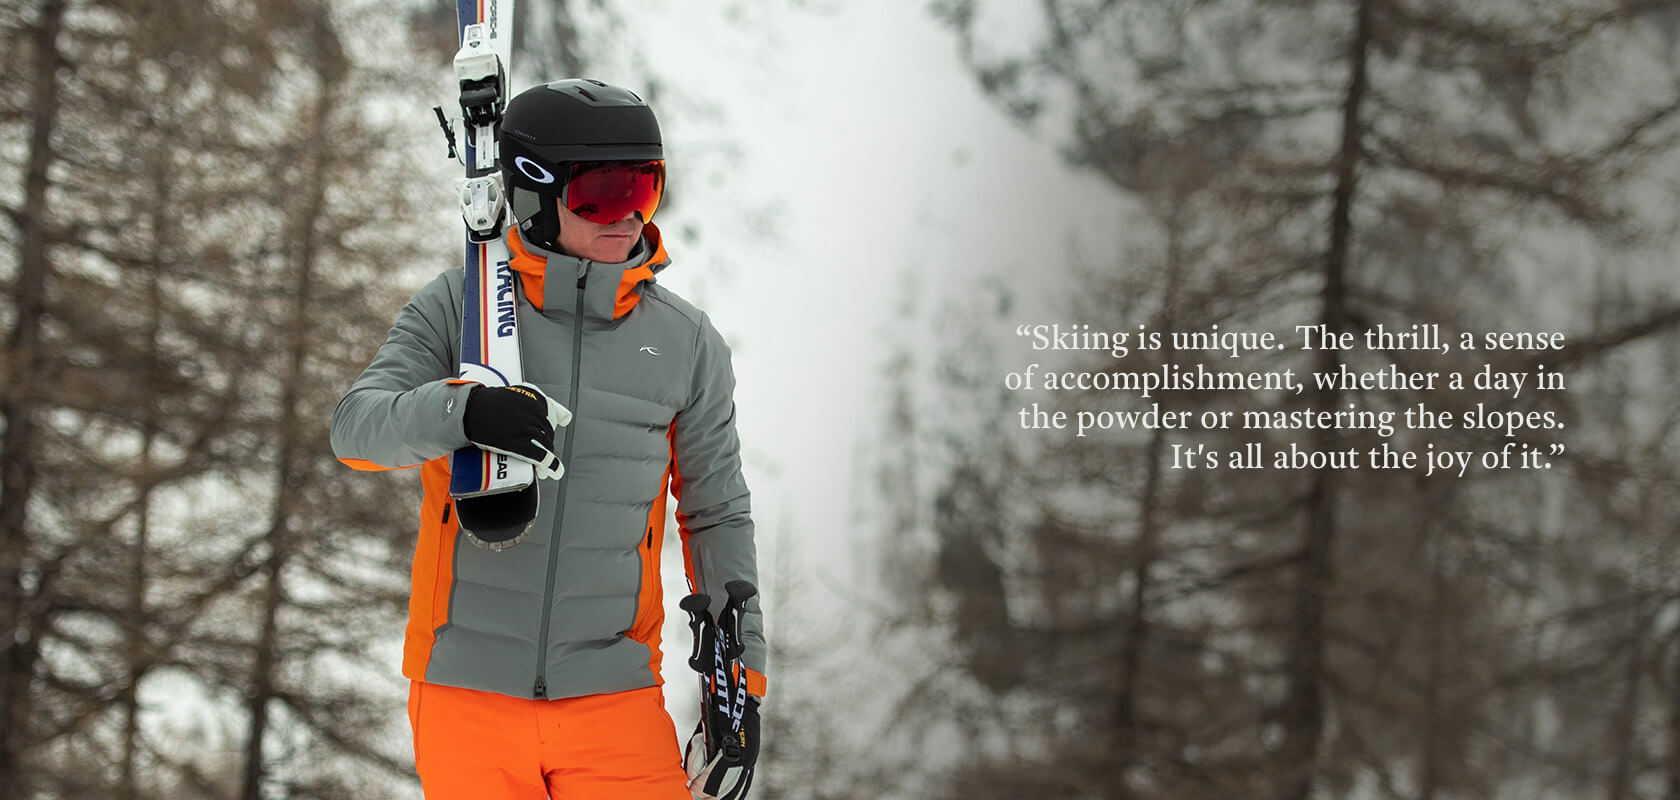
column 533, row 170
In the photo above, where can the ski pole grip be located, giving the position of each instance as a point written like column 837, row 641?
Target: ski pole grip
column 700, row 625
column 740, row 591
column 729, row 623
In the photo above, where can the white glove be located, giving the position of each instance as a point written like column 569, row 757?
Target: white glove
column 720, row 778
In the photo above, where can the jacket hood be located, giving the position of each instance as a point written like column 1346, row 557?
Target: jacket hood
column 550, row 278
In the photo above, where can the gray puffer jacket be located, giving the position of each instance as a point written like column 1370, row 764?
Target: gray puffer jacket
column 576, row 609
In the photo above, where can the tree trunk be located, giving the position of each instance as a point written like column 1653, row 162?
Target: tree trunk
column 1138, row 628
column 1623, row 734
column 19, row 403
column 291, row 439
column 138, row 648
column 1674, row 725
column 1303, row 710
column 1429, row 759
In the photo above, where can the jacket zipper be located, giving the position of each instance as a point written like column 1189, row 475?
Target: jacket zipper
column 540, row 690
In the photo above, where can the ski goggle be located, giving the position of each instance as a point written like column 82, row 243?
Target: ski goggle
column 605, row 192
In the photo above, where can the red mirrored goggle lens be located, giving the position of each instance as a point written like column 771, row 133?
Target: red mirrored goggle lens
column 605, row 192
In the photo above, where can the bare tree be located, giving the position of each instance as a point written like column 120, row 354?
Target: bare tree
column 202, row 292
column 21, row 401
column 1343, row 164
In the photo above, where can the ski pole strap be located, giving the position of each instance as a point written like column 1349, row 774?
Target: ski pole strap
column 721, row 688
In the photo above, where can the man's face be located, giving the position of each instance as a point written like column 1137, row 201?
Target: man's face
column 609, row 244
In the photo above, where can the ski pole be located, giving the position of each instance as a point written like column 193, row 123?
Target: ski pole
column 706, row 642
column 705, row 633
column 729, row 630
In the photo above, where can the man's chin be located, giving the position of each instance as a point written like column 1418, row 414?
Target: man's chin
column 612, row 249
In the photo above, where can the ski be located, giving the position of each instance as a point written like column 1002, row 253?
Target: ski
column 495, row 494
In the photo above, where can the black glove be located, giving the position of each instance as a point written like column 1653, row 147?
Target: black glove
column 517, row 420
column 729, row 772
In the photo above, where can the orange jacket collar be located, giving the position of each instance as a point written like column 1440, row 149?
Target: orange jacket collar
column 534, row 264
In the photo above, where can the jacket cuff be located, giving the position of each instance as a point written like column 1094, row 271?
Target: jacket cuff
column 457, row 405
column 757, row 684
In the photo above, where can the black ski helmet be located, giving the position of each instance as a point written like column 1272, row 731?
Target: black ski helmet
column 549, row 127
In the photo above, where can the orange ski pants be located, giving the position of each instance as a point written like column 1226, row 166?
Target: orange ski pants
column 471, row 745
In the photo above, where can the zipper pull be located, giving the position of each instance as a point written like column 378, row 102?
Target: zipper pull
column 541, row 689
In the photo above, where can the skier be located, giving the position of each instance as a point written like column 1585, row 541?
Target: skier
column 535, row 670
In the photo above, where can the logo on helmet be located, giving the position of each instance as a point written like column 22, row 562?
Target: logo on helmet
column 526, row 166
